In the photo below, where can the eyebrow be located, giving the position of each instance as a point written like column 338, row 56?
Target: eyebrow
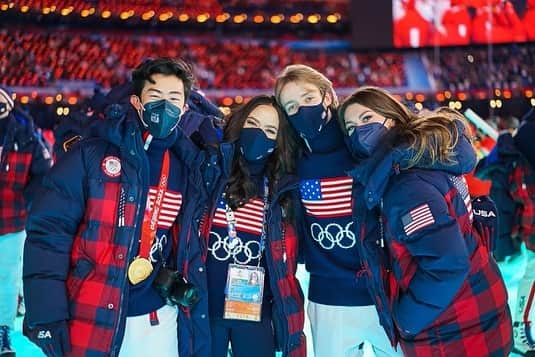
column 160, row 92
column 256, row 120
column 305, row 93
column 364, row 112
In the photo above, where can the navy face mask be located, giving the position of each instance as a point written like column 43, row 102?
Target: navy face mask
column 160, row 118
column 365, row 138
column 309, row 120
column 255, row 145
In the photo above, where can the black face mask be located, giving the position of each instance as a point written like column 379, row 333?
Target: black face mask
column 160, row 118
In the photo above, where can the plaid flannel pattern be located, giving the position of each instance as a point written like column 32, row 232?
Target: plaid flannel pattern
column 522, row 190
column 94, row 291
column 478, row 321
column 14, row 175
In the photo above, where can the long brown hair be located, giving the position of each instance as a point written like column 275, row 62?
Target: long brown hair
column 240, row 188
column 432, row 132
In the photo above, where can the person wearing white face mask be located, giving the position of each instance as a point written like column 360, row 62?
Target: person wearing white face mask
column 341, row 310
column 23, row 162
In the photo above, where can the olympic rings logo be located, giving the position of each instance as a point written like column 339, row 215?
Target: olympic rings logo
column 224, row 248
column 157, row 246
column 333, row 235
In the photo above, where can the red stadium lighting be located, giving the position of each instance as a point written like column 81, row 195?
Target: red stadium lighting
column 447, row 94
column 105, row 14
column 409, row 96
column 72, row 100
column 497, row 92
column 49, row 100
column 46, row 11
column 24, row 9
column 183, row 17
column 222, row 17
column 227, row 101
column 420, row 97
column 24, row 99
column 238, row 99
column 440, row 97
column 4, row 7
column 165, row 16
column 85, row 13
column 461, row 96
column 528, row 93
column 507, row 94
column 258, row 19
column 147, row 15
column 66, row 11
column 239, row 19
column 203, row 18
column 59, row 97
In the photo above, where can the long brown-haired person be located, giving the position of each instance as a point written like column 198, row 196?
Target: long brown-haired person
column 437, row 288
column 255, row 301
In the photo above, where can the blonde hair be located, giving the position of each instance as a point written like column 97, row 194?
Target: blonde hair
column 307, row 74
column 433, row 132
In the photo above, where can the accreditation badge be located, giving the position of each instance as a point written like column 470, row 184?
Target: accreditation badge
column 244, row 292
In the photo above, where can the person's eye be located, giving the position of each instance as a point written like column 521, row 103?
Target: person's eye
column 366, row 118
column 272, row 132
column 291, row 109
column 309, row 99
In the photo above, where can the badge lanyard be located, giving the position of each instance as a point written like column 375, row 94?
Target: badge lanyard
column 231, row 224
column 150, row 219
column 141, row 267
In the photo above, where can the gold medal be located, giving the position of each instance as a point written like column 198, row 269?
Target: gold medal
column 139, row 270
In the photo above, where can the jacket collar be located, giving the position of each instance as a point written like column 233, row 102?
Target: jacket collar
column 374, row 173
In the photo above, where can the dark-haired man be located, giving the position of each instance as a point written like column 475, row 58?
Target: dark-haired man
column 106, row 226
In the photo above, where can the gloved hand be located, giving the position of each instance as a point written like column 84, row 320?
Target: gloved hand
column 52, row 338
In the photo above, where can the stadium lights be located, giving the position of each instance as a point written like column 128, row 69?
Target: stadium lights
column 222, row 17
column 105, row 14
column 409, row 95
column 419, row 106
column 238, row 99
column 497, row 92
column 461, row 96
column 24, row 9
column 165, row 16
column 420, row 97
column 59, row 110
column 147, row 15
column 66, row 11
column 470, row 58
column 84, row 13
column 239, row 19
column 4, row 7
column 528, row 93
column 277, row 19
column 59, row 97
column 49, row 100
column 314, row 19
column 183, row 17
column 440, row 97
column 332, row 19
column 24, row 99
column 533, row 102
column 297, row 18
column 72, row 100
column 203, row 17
column 227, row 101
column 258, row 19
column 46, row 10
column 447, row 94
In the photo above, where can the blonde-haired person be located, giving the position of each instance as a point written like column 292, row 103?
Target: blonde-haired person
column 438, row 290
column 340, row 309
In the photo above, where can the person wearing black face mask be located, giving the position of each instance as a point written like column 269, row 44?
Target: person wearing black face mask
column 341, row 310
column 425, row 243
column 241, row 239
column 24, row 160
column 118, row 209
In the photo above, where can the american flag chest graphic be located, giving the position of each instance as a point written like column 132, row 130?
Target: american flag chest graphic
column 171, row 204
column 327, row 197
column 249, row 218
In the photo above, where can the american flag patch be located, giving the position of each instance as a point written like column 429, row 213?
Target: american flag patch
column 462, row 187
column 418, row 218
column 329, row 197
column 249, row 218
column 172, row 201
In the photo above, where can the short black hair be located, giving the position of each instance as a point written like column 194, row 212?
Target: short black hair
column 165, row 66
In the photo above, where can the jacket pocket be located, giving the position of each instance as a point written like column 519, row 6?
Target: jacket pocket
column 77, row 276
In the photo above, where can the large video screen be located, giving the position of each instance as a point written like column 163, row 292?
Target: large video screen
column 420, row 23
